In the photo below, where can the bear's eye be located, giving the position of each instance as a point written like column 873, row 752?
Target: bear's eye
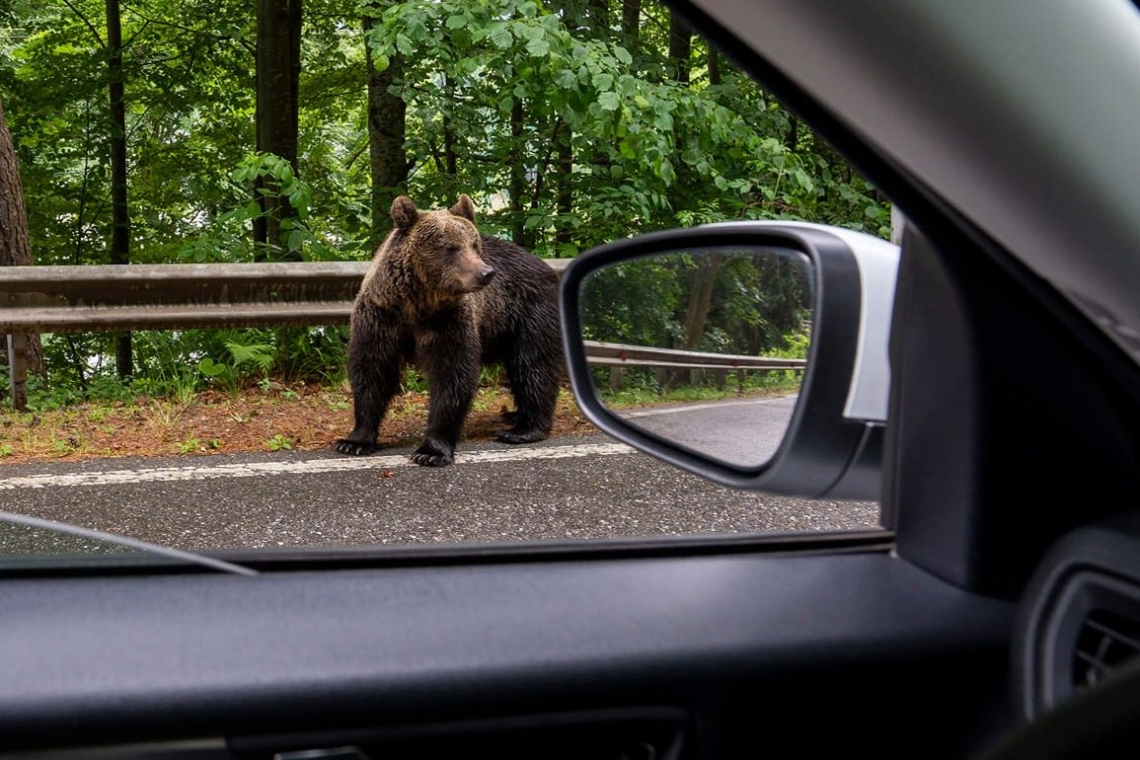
column 452, row 250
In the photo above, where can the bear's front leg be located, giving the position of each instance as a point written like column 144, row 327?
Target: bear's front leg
column 450, row 358
column 375, row 365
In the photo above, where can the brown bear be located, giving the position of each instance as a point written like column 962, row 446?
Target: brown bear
column 444, row 296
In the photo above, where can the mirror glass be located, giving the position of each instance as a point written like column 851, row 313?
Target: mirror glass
column 704, row 348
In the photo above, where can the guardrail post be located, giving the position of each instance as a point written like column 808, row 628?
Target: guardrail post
column 617, row 378
column 18, row 371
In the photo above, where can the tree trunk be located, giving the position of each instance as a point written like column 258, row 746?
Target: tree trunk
column 680, row 55
column 387, row 130
column 120, row 214
column 680, row 46
column 714, row 66
column 278, row 75
column 697, row 312
column 631, row 24
column 599, row 12
column 450, row 167
column 700, row 298
column 22, row 351
column 564, row 202
column 898, row 225
column 519, row 233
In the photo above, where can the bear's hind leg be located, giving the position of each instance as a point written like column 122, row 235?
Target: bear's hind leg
column 534, row 384
column 375, row 364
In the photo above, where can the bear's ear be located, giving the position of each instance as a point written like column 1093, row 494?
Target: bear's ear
column 404, row 212
column 464, row 208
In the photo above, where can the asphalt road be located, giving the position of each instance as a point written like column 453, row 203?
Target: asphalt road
column 745, row 433
column 590, row 487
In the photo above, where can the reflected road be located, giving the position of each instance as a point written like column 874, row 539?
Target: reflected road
column 740, row 432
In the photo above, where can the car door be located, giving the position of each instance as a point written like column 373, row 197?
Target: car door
column 894, row 642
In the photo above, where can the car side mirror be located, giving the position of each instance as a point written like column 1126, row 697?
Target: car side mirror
column 751, row 353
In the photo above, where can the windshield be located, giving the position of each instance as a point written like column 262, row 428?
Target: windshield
column 32, row 543
column 311, row 302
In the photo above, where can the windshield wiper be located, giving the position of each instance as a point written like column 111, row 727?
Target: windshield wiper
column 125, row 542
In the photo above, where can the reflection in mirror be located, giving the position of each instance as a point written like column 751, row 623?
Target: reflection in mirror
column 704, row 348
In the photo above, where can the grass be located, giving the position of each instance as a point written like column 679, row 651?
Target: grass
column 633, row 395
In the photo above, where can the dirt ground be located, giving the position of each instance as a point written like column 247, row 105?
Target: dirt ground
column 298, row 418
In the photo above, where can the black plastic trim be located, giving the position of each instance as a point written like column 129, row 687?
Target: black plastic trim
column 169, row 657
column 346, row 558
column 660, row 731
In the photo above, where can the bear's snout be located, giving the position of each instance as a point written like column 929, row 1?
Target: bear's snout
column 475, row 278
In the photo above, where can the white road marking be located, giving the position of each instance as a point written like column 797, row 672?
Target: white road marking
column 698, row 407
column 304, row 467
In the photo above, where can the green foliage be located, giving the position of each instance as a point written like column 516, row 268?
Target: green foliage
column 795, row 346
column 566, row 131
column 259, row 355
column 189, row 446
column 279, row 442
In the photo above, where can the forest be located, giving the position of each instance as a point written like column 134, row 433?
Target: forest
column 187, row 131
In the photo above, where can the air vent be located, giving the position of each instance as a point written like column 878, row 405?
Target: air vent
column 1104, row 642
column 1081, row 619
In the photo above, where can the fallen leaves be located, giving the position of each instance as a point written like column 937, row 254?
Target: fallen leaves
column 309, row 418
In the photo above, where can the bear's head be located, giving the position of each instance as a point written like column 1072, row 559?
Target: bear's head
column 445, row 248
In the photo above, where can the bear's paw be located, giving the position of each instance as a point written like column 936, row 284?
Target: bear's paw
column 354, row 447
column 434, row 454
column 514, row 435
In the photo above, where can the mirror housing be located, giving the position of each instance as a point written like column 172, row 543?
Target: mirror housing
column 833, row 444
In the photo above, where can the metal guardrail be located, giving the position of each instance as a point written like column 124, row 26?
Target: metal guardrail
column 56, row 299
column 176, row 296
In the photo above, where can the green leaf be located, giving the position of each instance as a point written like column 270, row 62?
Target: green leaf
column 295, row 240
column 501, row 37
column 566, row 79
column 804, row 181
column 458, row 21
column 211, row 368
column 609, row 101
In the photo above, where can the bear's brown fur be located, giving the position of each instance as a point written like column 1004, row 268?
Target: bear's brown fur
column 450, row 299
